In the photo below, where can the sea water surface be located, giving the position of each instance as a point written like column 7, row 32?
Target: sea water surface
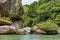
column 29, row 37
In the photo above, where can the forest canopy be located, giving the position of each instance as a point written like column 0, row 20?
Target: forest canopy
column 41, row 11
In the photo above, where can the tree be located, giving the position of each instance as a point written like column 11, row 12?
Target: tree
column 41, row 11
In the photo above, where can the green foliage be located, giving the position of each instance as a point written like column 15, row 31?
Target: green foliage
column 26, row 8
column 6, row 18
column 27, row 21
column 41, row 11
column 57, row 19
column 48, row 26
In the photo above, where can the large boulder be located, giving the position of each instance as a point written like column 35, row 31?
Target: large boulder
column 5, row 22
column 24, row 31
column 18, row 24
column 36, row 30
column 27, row 30
column 7, row 29
column 11, row 8
column 20, row 31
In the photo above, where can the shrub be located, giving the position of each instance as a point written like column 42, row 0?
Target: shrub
column 48, row 26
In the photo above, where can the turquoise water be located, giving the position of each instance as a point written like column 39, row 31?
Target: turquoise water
column 29, row 37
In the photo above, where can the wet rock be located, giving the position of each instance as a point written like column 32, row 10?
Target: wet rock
column 5, row 22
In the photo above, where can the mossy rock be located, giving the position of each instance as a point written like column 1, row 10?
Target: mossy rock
column 6, row 18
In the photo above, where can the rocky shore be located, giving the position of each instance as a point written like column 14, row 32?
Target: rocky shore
column 8, row 27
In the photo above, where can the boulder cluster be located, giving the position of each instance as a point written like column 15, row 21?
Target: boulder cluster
column 7, row 27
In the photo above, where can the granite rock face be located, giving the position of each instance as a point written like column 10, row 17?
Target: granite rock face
column 11, row 8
